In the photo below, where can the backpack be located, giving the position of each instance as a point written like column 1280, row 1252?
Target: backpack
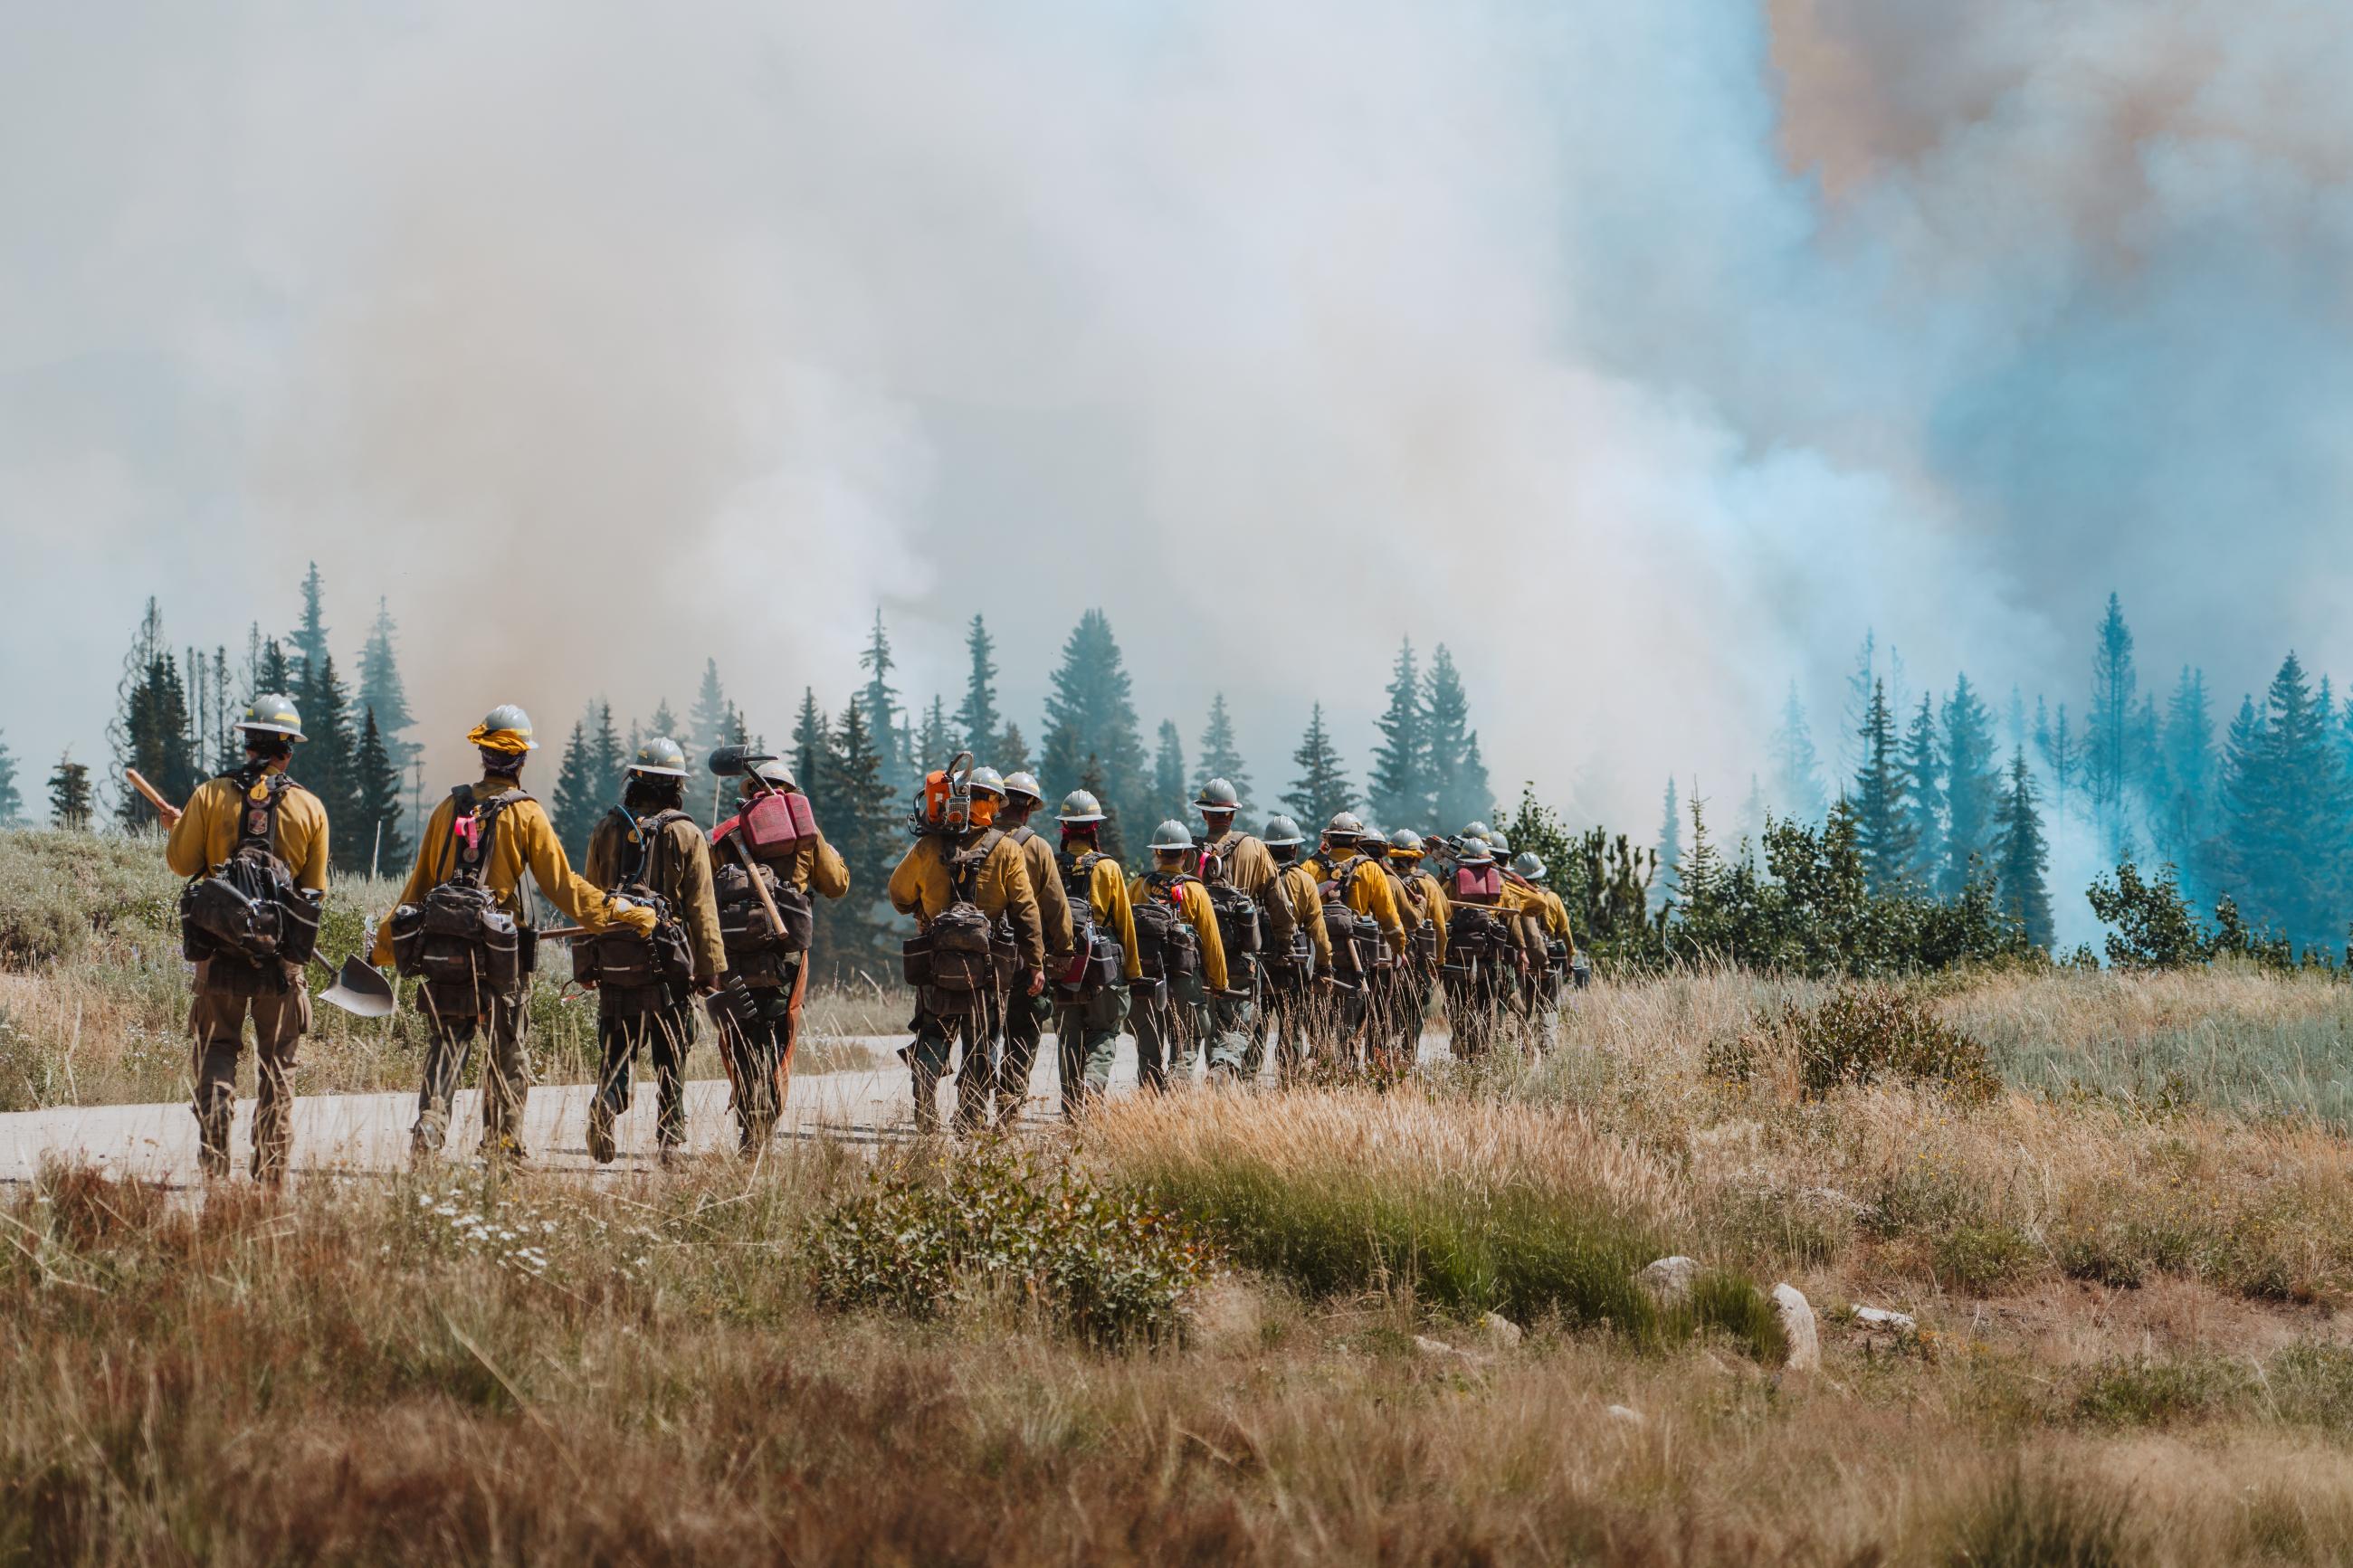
column 1475, row 940
column 1421, row 934
column 1356, row 946
column 620, row 957
column 1239, row 918
column 457, row 939
column 953, row 959
column 756, row 948
column 1165, row 944
column 1097, row 961
column 1482, row 884
column 247, row 907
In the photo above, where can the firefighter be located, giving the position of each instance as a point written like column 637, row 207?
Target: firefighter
column 648, row 844
column 977, row 864
column 1527, row 871
column 1025, row 1011
column 257, row 806
column 1239, row 862
column 483, row 838
column 1088, row 1018
column 1174, row 1016
column 1483, row 945
column 1351, row 882
column 1295, row 971
column 1526, row 905
column 1421, row 905
column 773, row 965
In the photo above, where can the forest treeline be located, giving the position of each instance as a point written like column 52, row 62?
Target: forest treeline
column 1923, row 840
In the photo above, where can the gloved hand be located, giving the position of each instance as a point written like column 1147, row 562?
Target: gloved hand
column 637, row 917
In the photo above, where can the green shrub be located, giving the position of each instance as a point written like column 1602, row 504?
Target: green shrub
column 2146, row 1393
column 2042, row 1521
column 1982, row 1257
column 58, row 887
column 1860, row 1034
column 1111, row 1268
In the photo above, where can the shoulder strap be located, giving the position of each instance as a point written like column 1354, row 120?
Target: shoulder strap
column 965, row 864
column 1023, row 834
column 256, row 825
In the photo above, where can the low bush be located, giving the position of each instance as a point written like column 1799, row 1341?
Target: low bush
column 1859, row 1035
column 991, row 1225
column 2040, row 1519
column 60, row 888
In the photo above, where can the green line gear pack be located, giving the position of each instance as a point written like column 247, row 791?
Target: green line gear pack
column 1239, row 928
column 955, row 959
column 247, row 907
column 1167, row 946
column 1097, row 961
column 1357, row 949
column 457, row 939
column 619, row 957
column 756, row 948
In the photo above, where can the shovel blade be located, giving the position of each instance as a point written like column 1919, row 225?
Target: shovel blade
column 359, row 989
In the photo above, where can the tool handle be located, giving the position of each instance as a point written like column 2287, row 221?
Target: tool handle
column 163, row 808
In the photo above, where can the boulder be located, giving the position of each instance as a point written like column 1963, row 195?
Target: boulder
column 1669, row 1280
column 1881, row 1319
column 1796, row 1316
column 1626, row 1416
column 1503, row 1334
column 1433, row 1349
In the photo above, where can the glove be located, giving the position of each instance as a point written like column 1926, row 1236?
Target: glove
column 637, row 917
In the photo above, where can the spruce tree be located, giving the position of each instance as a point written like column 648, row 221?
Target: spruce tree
column 938, row 740
column 1882, row 833
column 1668, row 850
column 1859, row 682
column 1220, row 757
column 2107, row 739
column 1754, row 812
column 2022, row 861
column 2185, row 817
column 1109, row 839
column 1321, row 791
column 608, row 762
column 866, row 827
column 381, row 692
column 1090, row 712
column 71, row 801
column 375, row 838
column 578, row 799
column 1013, row 749
column 812, row 745
column 2287, row 811
column 309, row 639
column 1459, row 788
column 12, row 800
column 1797, row 768
column 2063, row 759
column 1972, row 787
column 1168, row 771
column 272, row 671
column 977, row 719
column 327, row 762
column 665, row 723
column 1924, row 797
column 710, row 722
column 1399, row 791
column 150, row 730
column 881, row 700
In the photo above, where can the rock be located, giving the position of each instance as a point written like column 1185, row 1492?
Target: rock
column 1669, row 1280
column 1797, row 1327
column 1881, row 1318
column 1626, row 1416
column 1503, row 1334
column 1432, row 1348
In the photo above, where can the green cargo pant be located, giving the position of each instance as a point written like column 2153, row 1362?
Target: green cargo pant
column 629, row 1020
column 225, row 992
column 1086, row 1043
column 451, row 1024
column 938, row 1034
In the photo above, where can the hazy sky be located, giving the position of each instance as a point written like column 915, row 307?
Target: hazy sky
column 1644, row 354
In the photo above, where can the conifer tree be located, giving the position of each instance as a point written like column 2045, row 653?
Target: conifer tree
column 1013, row 747
column 2107, row 739
column 2022, row 859
column 1797, row 768
column 381, row 692
column 2287, row 807
column 2063, row 759
column 1220, row 757
column 1859, row 682
column 375, row 838
column 2014, row 721
column 1168, row 771
column 1972, row 787
column 1882, row 833
column 1668, row 850
column 1459, row 787
column 1090, row 712
column 937, row 741
column 1753, row 811
column 710, row 722
column 326, row 763
column 2185, row 817
column 1924, row 797
column 881, row 700
column 308, row 641
column 812, row 745
column 978, row 719
column 608, row 762
column 71, row 801
column 665, row 722
column 1321, row 791
column 578, row 799
column 12, row 800
column 151, row 728
column 865, row 827
column 271, row 670
column 1401, row 789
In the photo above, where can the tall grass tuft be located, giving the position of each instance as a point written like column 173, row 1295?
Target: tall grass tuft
column 2030, row 1519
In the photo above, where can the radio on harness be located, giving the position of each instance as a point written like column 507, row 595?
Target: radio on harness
column 458, row 940
column 247, row 907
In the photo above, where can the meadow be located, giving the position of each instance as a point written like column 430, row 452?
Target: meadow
column 2073, row 1241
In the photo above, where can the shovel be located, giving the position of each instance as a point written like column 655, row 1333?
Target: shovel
column 360, row 989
